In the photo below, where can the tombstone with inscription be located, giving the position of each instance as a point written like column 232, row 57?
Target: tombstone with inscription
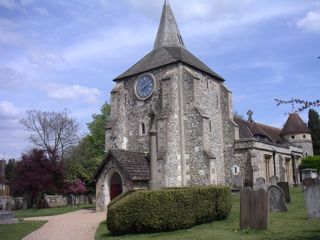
column 260, row 183
column 274, row 180
column 285, row 188
column 237, row 181
column 276, row 199
column 312, row 200
column 254, row 209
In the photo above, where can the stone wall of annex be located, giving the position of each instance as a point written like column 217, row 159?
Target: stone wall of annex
column 255, row 157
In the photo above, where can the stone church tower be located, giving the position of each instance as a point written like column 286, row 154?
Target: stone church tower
column 171, row 125
column 173, row 107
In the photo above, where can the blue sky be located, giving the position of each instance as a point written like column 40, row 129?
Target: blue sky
column 64, row 54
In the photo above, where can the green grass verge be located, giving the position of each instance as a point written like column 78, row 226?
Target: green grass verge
column 19, row 230
column 291, row 225
column 49, row 211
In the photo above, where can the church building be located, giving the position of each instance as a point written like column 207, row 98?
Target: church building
column 171, row 125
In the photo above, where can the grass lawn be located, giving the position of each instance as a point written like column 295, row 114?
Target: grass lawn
column 292, row 225
column 49, row 211
column 19, row 230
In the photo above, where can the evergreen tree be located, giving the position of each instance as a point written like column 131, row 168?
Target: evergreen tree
column 314, row 126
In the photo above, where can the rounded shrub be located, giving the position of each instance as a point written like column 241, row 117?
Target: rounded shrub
column 168, row 209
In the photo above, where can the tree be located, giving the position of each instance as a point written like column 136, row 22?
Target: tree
column 311, row 162
column 83, row 159
column 303, row 103
column 10, row 169
column 96, row 129
column 51, row 131
column 314, row 126
column 36, row 174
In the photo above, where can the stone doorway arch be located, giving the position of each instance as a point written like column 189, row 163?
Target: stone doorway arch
column 115, row 185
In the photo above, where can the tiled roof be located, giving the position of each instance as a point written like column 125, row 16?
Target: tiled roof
column 252, row 129
column 294, row 125
column 167, row 55
column 134, row 164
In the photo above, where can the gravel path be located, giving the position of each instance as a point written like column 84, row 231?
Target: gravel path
column 78, row 225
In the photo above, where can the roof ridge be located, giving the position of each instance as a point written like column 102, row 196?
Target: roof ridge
column 262, row 124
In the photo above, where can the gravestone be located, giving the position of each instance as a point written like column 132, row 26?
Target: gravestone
column 285, row 188
column 237, row 181
column 254, row 209
column 260, row 183
column 7, row 217
column 312, row 200
column 307, row 182
column 274, row 180
column 276, row 199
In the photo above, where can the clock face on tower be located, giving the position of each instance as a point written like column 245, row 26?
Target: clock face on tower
column 144, row 86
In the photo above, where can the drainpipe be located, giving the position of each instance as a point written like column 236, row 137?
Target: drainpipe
column 274, row 163
column 294, row 169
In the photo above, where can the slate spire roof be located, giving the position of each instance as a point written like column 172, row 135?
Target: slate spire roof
column 168, row 48
column 168, row 33
column 294, row 125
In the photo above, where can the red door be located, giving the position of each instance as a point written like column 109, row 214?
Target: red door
column 116, row 190
column 115, row 185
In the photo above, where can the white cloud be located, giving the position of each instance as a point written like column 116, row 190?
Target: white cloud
column 9, row 111
column 9, row 4
column 311, row 22
column 15, row 4
column 72, row 92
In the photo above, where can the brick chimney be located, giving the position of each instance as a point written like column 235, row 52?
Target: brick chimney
column 2, row 168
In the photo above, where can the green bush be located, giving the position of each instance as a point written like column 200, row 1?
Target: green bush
column 311, row 162
column 167, row 210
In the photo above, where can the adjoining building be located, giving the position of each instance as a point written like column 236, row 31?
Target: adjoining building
column 171, row 125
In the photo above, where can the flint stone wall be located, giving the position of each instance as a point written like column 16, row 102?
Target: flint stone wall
column 10, row 203
column 52, row 201
column 187, row 104
column 250, row 156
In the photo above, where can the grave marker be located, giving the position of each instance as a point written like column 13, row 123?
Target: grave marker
column 286, row 191
column 254, row 209
column 312, row 200
column 276, row 199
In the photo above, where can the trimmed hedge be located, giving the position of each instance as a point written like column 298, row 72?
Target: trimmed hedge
column 311, row 162
column 167, row 210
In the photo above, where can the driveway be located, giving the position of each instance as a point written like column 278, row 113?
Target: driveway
column 78, row 225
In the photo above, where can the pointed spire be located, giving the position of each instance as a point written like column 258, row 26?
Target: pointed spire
column 168, row 33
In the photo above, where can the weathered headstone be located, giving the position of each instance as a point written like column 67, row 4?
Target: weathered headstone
column 285, row 188
column 237, row 181
column 254, row 209
column 260, row 183
column 274, row 180
column 312, row 199
column 7, row 217
column 307, row 182
column 276, row 199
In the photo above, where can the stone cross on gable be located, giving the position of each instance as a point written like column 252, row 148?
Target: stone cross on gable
column 250, row 113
